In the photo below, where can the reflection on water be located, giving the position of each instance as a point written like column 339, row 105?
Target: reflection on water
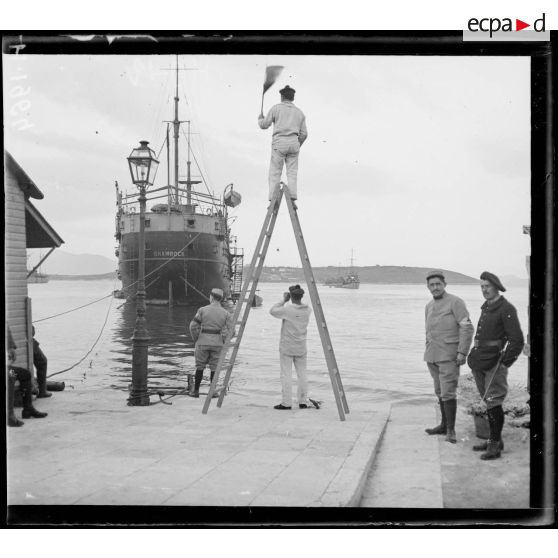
column 170, row 346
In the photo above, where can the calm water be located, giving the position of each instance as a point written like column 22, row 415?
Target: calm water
column 377, row 334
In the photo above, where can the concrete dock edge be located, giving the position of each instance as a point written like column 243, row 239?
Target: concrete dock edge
column 345, row 490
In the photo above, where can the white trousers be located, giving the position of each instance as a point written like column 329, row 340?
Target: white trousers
column 287, row 154
column 287, row 376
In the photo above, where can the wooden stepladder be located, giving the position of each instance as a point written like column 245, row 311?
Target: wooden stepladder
column 244, row 305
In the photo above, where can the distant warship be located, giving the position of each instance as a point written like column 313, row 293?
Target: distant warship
column 349, row 281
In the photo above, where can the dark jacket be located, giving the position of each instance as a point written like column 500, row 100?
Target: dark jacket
column 498, row 322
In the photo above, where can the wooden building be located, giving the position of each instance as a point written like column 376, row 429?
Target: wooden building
column 24, row 228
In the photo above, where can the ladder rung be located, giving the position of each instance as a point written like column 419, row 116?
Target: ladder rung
column 250, row 283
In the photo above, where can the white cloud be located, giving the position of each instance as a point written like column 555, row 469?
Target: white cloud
column 410, row 160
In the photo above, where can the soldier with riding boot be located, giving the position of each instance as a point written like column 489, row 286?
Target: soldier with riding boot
column 209, row 329
column 498, row 325
column 449, row 333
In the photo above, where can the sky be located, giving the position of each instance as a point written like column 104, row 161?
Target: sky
column 410, row 160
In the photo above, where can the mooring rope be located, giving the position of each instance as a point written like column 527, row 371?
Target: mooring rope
column 72, row 310
column 128, row 287
column 89, row 351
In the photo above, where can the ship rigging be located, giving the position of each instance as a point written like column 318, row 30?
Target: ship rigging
column 189, row 246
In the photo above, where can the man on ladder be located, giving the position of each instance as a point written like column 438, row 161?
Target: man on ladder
column 292, row 346
column 289, row 133
column 248, row 293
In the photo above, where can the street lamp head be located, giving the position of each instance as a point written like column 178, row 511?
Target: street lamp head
column 143, row 165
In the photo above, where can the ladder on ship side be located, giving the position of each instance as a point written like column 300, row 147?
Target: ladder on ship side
column 244, row 305
column 237, row 256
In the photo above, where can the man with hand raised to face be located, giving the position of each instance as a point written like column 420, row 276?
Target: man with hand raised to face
column 449, row 333
column 292, row 346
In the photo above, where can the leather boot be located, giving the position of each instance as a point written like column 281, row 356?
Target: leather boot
column 492, row 451
column 451, row 410
column 496, row 423
column 12, row 419
column 483, row 446
column 43, row 392
column 197, row 383
column 441, row 428
column 31, row 412
column 40, row 362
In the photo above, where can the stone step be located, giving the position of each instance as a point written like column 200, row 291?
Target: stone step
column 407, row 471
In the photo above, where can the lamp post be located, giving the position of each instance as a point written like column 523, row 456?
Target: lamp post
column 143, row 167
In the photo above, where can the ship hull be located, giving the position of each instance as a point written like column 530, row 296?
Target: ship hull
column 348, row 286
column 180, row 266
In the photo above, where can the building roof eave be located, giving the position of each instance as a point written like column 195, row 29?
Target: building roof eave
column 28, row 187
column 39, row 233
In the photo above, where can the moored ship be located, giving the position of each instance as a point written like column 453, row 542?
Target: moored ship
column 189, row 248
column 37, row 277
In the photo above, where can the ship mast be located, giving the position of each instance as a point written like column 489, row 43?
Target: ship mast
column 176, row 126
column 169, row 196
column 189, row 176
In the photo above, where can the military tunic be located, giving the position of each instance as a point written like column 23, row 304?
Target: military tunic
column 448, row 331
column 498, row 325
column 209, row 329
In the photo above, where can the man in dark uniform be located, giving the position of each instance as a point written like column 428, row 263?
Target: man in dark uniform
column 23, row 376
column 498, row 326
column 40, row 361
column 209, row 329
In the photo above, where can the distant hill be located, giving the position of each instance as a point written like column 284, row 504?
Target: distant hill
column 373, row 274
column 64, row 263
column 513, row 281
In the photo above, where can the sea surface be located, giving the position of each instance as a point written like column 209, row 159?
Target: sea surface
column 377, row 334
